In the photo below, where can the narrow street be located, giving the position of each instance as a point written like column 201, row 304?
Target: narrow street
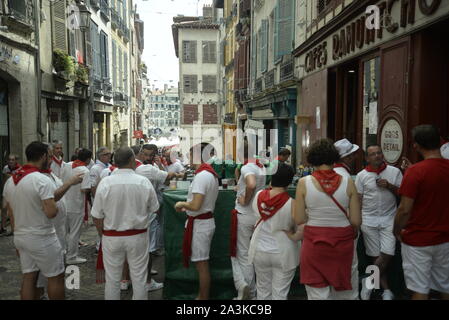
column 10, row 275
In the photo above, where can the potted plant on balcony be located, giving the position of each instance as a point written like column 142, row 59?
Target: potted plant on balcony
column 82, row 75
column 64, row 65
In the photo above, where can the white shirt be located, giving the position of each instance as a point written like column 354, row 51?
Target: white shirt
column 25, row 199
column 123, row 200
column 56, row 168
column 74, row 198
column 269, row 236
column 343, row 172
column 156, row 176
column 6, row 170
column 58, row 184
column 95, row 172
column 249, row 169
column 378, row 204
column 106, row 173
column 176, row 167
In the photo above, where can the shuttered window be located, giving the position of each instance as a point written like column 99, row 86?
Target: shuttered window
column 209, row 84
column 59, row 29
column 254, row 58
column 88, row 48
column 190, row 83
column 209, row 51
column 95, row 38
column 264, row 46
column 104, row 55
column 125, row 73
column 120, row 70
column 189, row 51
column 114, row 64
column 285, row 27
column 18, row 8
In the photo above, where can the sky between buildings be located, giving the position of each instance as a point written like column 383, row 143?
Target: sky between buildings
column 159, row 53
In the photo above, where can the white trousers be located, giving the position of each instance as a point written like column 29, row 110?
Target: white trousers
column 272, row 282
column 74, row 224
column 134, row 249
column 153, row 232
column 328, row 293
column 243, row 272
column 60, row 223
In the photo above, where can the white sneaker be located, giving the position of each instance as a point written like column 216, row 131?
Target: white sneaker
column 153, row 285
column 76, row 260
column 387, row 295
column 365, row 293
column 124, row 285
column 243, row 293
column 154, row 272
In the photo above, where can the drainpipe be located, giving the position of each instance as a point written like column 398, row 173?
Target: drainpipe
column 37, row 68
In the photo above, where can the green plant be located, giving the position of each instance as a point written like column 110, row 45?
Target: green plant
column 82, row 73
column 63, row 62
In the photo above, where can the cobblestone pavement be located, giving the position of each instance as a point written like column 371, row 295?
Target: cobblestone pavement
column 10, row 274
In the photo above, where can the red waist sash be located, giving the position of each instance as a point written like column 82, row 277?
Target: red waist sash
column 114, row 233
column 326, row 257
column 188, row 233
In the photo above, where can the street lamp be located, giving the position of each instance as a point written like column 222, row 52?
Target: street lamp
column 84, row 17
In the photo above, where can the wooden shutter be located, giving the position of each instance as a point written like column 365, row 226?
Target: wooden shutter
column 125, row 68
column 102, row 55
column 59, row 28
column 275, row 33
column 285, row 27
column 114, row 64
column 209, row 84
column 88, row 49
column 264, row 46
column 209, row 52
column 120, row 70
column 254, row 58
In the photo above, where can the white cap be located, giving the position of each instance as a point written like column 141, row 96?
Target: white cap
column 445, row 150
column 345, row 148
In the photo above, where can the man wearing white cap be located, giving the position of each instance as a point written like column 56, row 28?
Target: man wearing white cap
column 347, row 151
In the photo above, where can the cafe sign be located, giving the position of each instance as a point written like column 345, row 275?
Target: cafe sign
column 392, row 141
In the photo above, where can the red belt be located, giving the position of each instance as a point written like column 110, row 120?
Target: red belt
column 188, row 233
column 234, row 222
column 114, row 233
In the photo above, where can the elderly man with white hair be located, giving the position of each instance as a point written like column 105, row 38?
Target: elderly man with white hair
column 57, row 162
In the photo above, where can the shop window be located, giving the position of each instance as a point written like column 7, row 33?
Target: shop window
column 371, row 82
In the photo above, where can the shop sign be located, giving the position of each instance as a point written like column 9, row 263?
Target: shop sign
column 392, row 140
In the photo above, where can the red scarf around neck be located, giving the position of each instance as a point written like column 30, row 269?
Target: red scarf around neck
column 78, row 163
column 329, row 180
column 23, row 172
column 17, row 167
column 138, row 163
column 256, row 161
column 56, row 160
column 112, row 168
column 381, row 168
column 47, row 171
column 268, row 206
column 206, row 167
column 343, row 165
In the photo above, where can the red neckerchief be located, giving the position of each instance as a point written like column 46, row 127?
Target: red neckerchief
column 329, row 180
column 343, row 165
column 381, row 168
column 78, row 163
column 23, row 172
column 206, row 167
column 268, row 206
column 56, row 160
column 47, row 171
column 138, row 163
column 17, row 167
column 256, row 161
column 112, row 168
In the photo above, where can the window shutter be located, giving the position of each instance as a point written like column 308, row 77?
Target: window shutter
column 209, row 52
column 103, row 55
column 259, row 50
column 114, row 64
column 59, row 28
column 254, row 58
column 88, row 49
column 209, row 84
column 72, row 43
column 286, row 27
column 264, row 46
column 125, row 67
column 120, row 70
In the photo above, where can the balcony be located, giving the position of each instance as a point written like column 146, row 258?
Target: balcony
column 107, row 89
column 19, row 17
column 269, row 79
column 104, row 10
column 95, row 4
column 98, row 88
column 286, row 72
column 120, row 26
column 125, row 34
column 114, row 19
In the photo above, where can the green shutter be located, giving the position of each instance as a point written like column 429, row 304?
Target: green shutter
column 275, row 33
column 264, row 46
column 286, row 15
column 59, row 28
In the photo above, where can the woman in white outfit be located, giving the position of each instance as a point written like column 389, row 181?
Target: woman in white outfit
column 274, row 247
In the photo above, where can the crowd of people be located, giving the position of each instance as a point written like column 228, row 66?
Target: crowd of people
column 271, row 233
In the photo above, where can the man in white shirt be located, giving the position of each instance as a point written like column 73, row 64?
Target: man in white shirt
column 32, row 204
column 252, row 180
column 8, row 170
column 200, row 224
column 57, row 162
column 76, row 203
column 377, row 186
column 120, row 213
column 347, row 151
column 103, row 162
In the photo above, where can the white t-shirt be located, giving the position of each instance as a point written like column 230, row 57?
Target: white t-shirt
column 176, row 167
column 378, row 204
column 74, row 198
column 343, row 172
column 26, row 199
column 58, row 184
column 156, row 176
column 123, row 200
column 246, row 170
column 56, row 168
column 106, row 173
column 7, row 170
column 95, row 172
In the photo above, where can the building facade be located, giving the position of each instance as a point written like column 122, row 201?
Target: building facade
column 368, row 83
column 195, row 40
column 163, row 111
